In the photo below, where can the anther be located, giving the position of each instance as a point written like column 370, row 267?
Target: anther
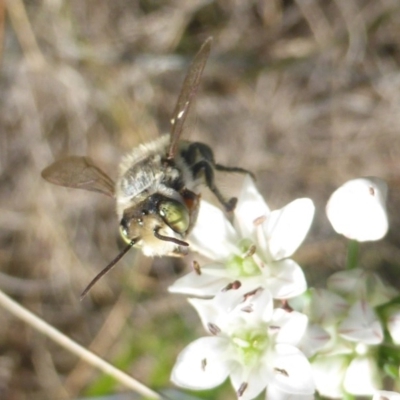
column 196, row 267
column 214, row 329
column 281, row 372
column 260, row 220
column 232, row 286
column 242, row 389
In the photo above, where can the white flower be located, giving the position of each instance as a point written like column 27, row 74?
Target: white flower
column 253, row 252
column 358, row 284
column 393, row 324
column 357, row 209
column 354, row 331
column 361, row 325
column 337, row 374
column 385, row 395
column 253, row 344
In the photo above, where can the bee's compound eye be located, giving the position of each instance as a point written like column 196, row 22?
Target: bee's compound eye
column 175, row 215
column 123, row 229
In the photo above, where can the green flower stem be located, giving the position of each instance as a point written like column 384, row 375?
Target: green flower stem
column 352, row 254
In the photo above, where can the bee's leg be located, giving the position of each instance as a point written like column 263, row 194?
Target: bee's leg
column 206, row 169
column 239, row 170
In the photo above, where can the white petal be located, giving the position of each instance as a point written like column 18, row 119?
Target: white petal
column 214, row 320
column 253, row 381
column 326, row 307
column 362, row 377
column 273, row 393
column 357, row 209
column 393, row 325
column 314, row 339
column 361, row 325
column 202, row 364
column 386, row 395
column 286, row 279
column 250, row 206
column 358, row 283
column 213, row 235
column 204, row 285
column 285, row 229
column 292, row 371
column 328, row 375
column 292, row 326
column 249, row 303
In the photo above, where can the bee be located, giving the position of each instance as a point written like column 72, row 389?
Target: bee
column 158, row 190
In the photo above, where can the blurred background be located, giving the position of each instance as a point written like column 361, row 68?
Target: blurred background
column 304, row 93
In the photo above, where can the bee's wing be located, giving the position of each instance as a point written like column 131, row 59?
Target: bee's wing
column 80, row 173
column 189, row 89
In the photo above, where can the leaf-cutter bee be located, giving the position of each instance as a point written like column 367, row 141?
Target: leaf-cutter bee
column 158, row 189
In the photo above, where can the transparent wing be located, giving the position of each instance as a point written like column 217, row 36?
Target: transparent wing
column 80, row 173
column 189, row 89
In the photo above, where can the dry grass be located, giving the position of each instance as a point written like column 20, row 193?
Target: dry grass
column 304, row 93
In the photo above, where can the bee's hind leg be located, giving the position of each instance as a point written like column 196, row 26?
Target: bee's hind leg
column 206, row 169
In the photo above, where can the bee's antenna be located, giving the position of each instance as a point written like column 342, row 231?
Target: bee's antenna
column 108, row 267
column 169, row 238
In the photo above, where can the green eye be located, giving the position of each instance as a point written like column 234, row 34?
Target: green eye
column 124, row 233
column 175, row 215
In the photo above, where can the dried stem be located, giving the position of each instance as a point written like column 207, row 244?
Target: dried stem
column 64, row 341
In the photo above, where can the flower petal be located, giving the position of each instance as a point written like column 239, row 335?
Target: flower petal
column 285, row 229
column 386, row 395
column 250, row 206
column 249, row 383
column 314, row 339
column 203, row 285
column 292, row 326
column 213, row 235
column 250, row 303
column 202, row 365
column 366, row 368
column 328, row 375
column 361, row 325
column 273, row 393
column 285, row 279
column 292, row 371
column 326, row 307
column 357, row 209
column 358, row 283
column 393, row 325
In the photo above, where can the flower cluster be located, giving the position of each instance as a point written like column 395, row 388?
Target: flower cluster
column 266, row 331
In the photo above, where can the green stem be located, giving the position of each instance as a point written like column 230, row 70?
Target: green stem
column 352, row 254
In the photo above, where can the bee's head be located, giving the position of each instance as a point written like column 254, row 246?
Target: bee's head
column 159, row 223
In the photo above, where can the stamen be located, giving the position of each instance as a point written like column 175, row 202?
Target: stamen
column 274, row 328
column 214, row 329
column 248, row 309
column 203, row 364
column 242, row 389
column 282, row 372
column 196, row 267
column 371, row 191
column 233, row 285
column 260, row 220
column 252, row 293
column 261, row 239
column 250, row 252
column 286, row 306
